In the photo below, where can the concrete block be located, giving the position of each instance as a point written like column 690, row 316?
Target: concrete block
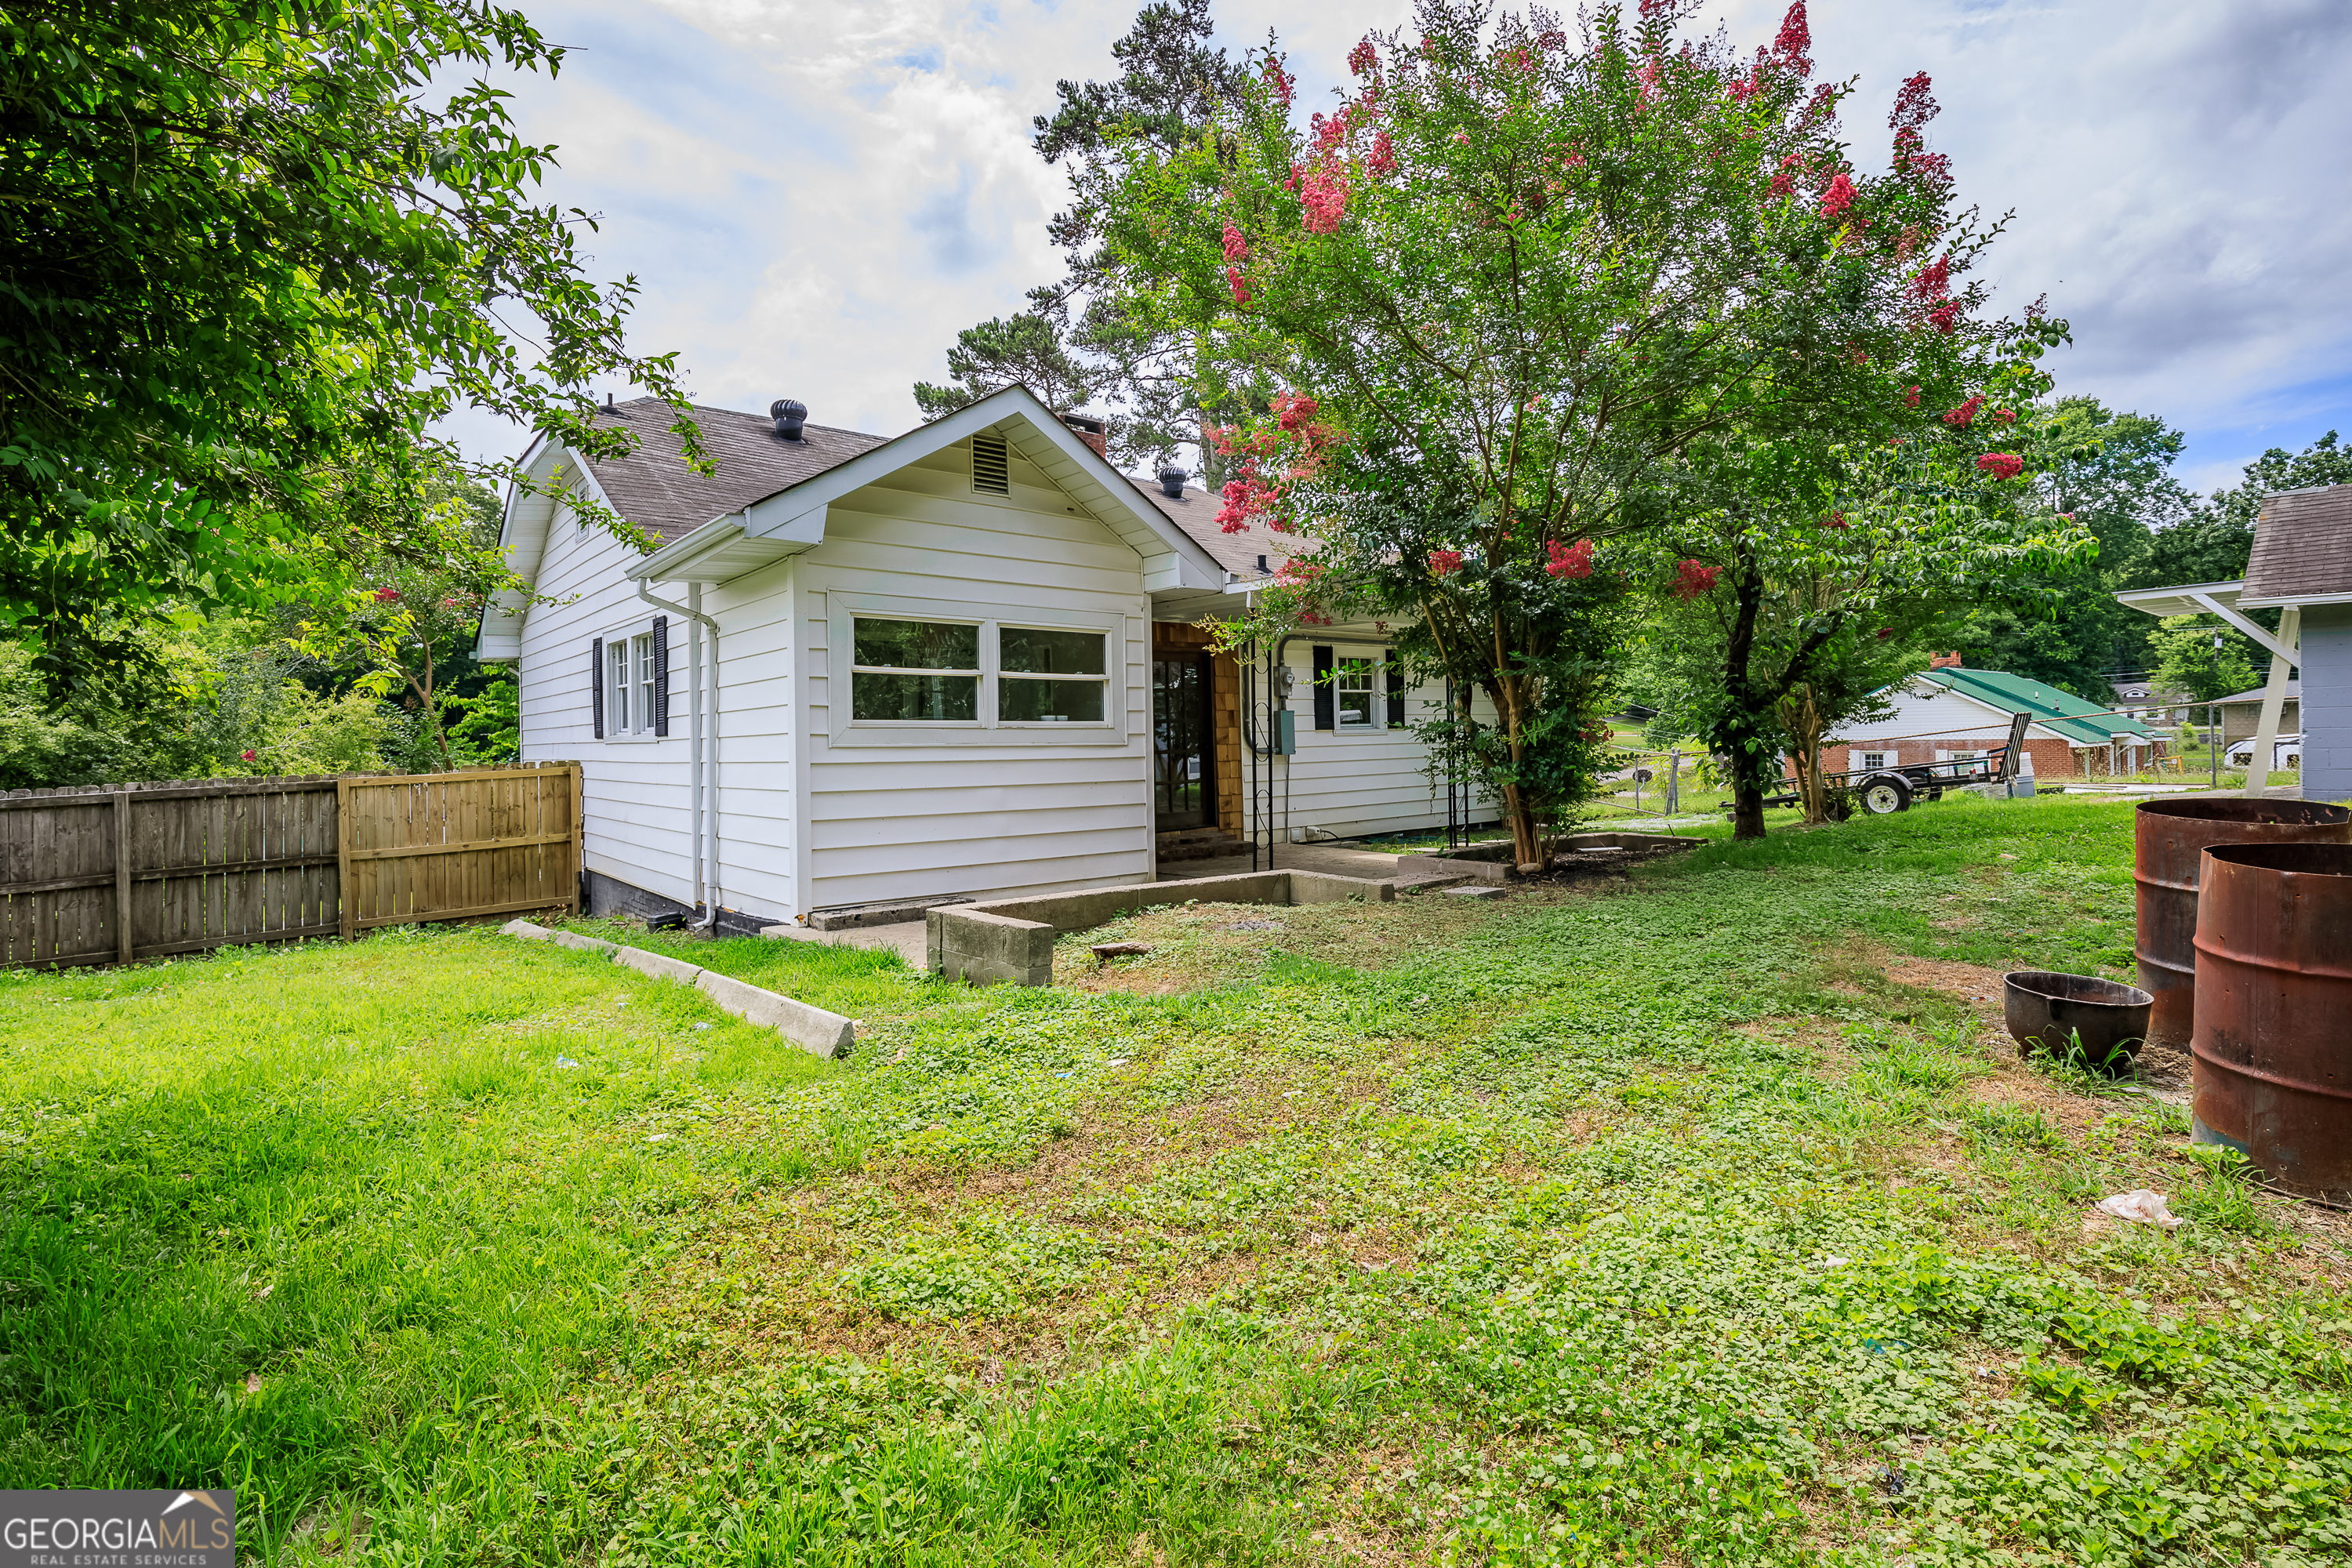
column 989, row 949
column 657, row 964
column 1321, row 888
column 527, row 930
column 1418, row 868
column 1481, row 891
column 810, row 1028
column 573, row 939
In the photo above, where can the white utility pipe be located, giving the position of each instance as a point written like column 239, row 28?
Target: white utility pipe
column 706, row 890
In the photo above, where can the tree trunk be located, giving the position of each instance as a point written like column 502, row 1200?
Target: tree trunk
column 1744, row 727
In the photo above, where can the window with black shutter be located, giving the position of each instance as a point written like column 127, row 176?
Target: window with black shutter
column 1396, row 700
column 1326, row 709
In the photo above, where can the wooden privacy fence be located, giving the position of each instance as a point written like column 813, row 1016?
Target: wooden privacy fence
column 116, row 872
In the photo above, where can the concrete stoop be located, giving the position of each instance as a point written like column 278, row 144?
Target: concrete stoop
column 1011, row 941
column 813, row 1029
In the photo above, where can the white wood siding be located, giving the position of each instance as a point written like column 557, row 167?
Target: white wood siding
column 635, row 825
column 1353, row 781
column 909, row 813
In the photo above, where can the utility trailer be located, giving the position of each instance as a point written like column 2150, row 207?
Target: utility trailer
column 1883, row 790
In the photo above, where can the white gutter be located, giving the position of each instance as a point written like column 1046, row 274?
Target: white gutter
column 691, row 610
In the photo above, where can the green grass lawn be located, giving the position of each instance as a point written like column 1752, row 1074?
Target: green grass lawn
column 1699, row 1219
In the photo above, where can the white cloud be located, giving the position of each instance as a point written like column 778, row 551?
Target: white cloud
column 816, row 196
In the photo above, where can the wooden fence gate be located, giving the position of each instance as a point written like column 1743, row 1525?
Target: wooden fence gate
column 112, row 873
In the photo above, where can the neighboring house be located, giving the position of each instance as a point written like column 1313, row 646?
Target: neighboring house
column 1953, row 714
column 2301, row 566
column 2286, row 754
column 964, row 662
column 2241, row 714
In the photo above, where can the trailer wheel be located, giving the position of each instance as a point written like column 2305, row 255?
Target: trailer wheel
column 1885, row 794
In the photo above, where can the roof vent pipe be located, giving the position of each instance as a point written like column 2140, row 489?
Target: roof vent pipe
column 789, row 414
column 1172, row 482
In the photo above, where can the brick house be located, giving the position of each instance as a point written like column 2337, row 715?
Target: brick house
column 1951, row 714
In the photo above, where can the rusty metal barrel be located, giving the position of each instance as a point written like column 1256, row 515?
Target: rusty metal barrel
column 2273, row 1049
column 2171, row 834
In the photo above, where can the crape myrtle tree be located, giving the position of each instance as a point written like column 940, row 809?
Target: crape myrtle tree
column 1532, row 296
column 249, row 254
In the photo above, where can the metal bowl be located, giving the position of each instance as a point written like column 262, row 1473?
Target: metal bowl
column 2046, row 1010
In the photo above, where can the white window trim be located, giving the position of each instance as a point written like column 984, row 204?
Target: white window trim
column 1379, row 654
column 624, row 637
column 842, row 610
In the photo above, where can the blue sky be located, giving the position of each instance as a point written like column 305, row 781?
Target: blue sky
column 814, row 198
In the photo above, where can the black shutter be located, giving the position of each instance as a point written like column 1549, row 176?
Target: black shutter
column 661, row 675
column 596, row 684
column 1396, row 700
column 1327, row 713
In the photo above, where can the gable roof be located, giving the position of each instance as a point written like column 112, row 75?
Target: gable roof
column 2303, row 549
column 2060, row 712
column 2294, row 694
column 788, row 518
column 654, row 487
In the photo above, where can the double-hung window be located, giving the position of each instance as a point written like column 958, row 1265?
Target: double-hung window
column 1354, row 685
column 630, row 683
column 978, row 674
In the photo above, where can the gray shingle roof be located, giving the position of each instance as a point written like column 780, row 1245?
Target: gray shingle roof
column 2303, row 546
column 653, row 487
column 1196, row 514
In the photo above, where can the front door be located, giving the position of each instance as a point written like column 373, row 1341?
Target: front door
column 1181, row 789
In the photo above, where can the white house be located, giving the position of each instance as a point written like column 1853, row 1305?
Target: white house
column 963, row 662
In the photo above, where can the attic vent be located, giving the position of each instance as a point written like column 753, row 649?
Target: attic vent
column 992, row 466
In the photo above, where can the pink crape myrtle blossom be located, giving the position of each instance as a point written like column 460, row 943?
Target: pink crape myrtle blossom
column 1280, row 83
column 1932, row 281
column 1946, row 317
column 2004, row 415
column 1837, row 520
column 1236, row 244
column 1239, row 286
column 1839, row 196
column 1445, row 563
column 1691, row 578
column 1324, row 198
column 1382, row 159
column 1910, row 397
column 1570, row 561
column 1966, row 413
column 1364, row 58
column 2001, row 465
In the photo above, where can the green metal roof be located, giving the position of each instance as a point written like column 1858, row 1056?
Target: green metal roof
column 2061, row 712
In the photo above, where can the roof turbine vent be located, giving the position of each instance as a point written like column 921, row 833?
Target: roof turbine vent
column 1171, row 481
column 789, row 414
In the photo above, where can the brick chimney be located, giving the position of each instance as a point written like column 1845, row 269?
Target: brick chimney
column 1091, row 430
column 1943, row 661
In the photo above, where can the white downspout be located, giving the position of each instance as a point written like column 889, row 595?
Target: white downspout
column 706, row 890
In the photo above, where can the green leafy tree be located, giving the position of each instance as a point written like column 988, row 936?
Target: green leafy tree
column 246, row 252
column 2113, row 473
column 2198, row 659
column 1537, row 302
